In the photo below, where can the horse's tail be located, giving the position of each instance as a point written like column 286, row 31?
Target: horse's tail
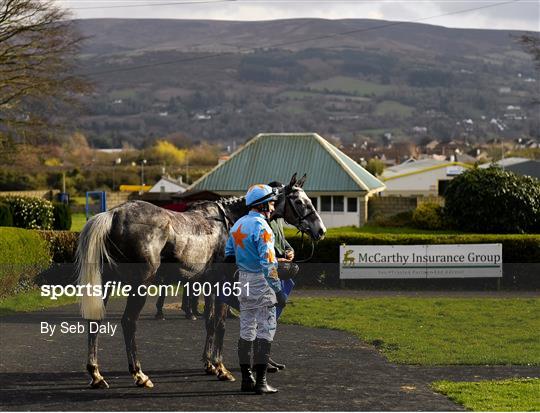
column 91, row 255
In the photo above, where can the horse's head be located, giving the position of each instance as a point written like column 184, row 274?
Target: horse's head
column 295, row 207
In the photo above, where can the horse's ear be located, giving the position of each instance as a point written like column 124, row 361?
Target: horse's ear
column 301, row 181
column 293, row 181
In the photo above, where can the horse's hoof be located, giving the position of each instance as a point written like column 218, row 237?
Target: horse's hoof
column 145, row 383
column 99, row 384
column 159, row 316
column 210, row 370
column 226, row 376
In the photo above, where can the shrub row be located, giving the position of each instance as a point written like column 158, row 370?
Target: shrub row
column 522, row 248
column 34, row 213
column 24, row 255
column 62, row 245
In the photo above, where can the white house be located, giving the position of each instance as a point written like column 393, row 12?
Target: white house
column 425, row 177
column 168, row 185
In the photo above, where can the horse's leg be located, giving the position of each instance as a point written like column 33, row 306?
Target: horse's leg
column 98, row 382
column 221, row 310
column 209, row 317
column 159, row 304
column 135, row 304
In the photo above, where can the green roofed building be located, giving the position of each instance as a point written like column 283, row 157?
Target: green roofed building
column 337, row 185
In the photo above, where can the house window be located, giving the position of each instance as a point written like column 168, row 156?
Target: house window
column 326, row 203
column 352, row 204
column 314, row 202
column 338, row 203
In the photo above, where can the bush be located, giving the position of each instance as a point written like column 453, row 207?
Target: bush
column 62, row 216
column 428, row 216
column 493, row 200
column 62, row 245
column 6, row 217
column 401, row 219
column 23, row 256
column 30, row 213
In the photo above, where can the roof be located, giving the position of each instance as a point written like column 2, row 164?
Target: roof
column 423, row 165
column 530, row 168
column 505, row 162
column 277, row 156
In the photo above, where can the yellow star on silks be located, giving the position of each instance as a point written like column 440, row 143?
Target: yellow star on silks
column 266, row 236
column 239, row 237
column 270, row 255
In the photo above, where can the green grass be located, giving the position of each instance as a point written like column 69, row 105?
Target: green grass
column 514, row 395
column 31, row 301
column 298, row 94
column 23, row 255
column 350, row 85
column 77, row 221
column 432, row 331
column 389, row 107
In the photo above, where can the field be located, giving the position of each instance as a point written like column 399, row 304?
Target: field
column 391, row 108
column 77, row 221
column 297, row 94
column 432, row 331
column 504, row 395
column 350, row 85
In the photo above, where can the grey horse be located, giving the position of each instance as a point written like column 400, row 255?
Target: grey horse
column 129, row 243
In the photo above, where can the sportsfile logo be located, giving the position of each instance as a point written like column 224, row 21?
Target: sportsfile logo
column 117, row 288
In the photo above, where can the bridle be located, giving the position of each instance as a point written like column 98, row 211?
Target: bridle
column 300, row 222
column 300, row 219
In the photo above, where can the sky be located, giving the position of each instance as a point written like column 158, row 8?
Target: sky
column 486, row 14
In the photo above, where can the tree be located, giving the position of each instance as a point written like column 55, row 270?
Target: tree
column 38, row 46
column 493, row 200
column 375, row 167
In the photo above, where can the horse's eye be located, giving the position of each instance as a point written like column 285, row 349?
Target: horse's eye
column 298, row 202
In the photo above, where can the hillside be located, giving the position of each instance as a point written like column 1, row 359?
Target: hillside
column 226, row 81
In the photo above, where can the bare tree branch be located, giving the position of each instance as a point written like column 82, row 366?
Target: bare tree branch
column 38, row 51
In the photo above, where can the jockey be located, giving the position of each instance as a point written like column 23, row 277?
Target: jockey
column 251, row 242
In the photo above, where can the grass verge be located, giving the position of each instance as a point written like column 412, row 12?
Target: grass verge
column 514, row 395
column 432, row 331
column 77, row 221
column 31, row 301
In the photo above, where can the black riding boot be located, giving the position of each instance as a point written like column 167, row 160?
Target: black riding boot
column 262, row 355
column 244, row 356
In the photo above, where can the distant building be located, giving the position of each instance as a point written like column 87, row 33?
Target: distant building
column 169, row 185
column 425, row 177
column 337, row 185
column 521, row 166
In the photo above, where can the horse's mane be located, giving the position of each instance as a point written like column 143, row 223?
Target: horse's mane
column 223, row 201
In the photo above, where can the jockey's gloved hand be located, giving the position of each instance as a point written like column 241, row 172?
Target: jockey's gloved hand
column 281, row 299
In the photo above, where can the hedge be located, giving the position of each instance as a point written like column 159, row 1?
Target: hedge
column 62, row 245
column 517, row 248
column 62, row 216
column 24, row 254
column 6, row 217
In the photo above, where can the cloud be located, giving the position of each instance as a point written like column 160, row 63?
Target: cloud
column 521, row 15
